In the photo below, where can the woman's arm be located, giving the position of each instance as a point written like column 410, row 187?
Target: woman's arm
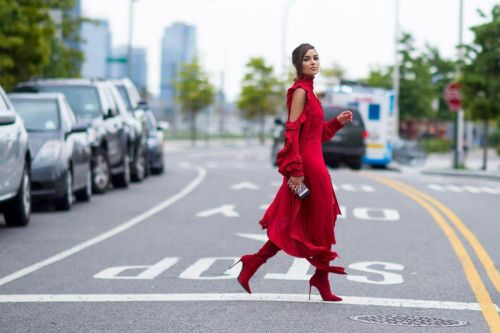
column 332, row 126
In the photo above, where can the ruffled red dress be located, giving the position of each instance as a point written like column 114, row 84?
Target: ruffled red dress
column 304, row 228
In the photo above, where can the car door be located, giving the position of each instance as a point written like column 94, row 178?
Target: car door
column 71, row 142
column 114, row 128
column 11, row 153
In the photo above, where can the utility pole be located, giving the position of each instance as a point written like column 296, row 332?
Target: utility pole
column 284, row 58
column 130, row 29
column 395, row 74
column 458, row 156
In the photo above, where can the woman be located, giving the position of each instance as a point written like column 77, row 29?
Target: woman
column 302, row 228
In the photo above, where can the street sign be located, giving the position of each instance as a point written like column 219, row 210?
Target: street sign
column 122, row 60
column 452, row 96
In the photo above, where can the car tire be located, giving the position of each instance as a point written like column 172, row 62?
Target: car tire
column 139, row 166
column 65, row 202
column 122, row 180
column 147, row 170
column 85, row 194
column 356, row 164
column 100, row 173
column 17, row 211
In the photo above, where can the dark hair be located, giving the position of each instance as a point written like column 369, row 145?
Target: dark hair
column 298, row 55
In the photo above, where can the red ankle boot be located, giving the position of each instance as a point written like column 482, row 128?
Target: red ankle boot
column 252, row 262
column 320, row 281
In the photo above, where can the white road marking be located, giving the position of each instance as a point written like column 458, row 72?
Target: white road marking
column 195, row 271
column 110, row 233
column 257, row 237
column 357, row 188
column 149, row 272
column 245, row 185
column 298, row 271
column 226, row 210
column 376, row 214
column 464, row 188
column 276, row 184
column 264, row 206
column 211, row 297
column 387, row 277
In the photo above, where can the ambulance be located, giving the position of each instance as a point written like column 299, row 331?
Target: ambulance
column 376, row 106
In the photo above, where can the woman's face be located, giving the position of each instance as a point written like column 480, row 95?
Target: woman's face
column 310, row 63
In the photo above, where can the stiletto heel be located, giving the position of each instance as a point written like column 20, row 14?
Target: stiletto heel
column 310, row 286
column 234, row 264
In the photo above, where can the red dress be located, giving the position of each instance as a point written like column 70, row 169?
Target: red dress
column 304, row 228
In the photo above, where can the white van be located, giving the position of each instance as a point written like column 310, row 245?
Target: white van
column 376, row 106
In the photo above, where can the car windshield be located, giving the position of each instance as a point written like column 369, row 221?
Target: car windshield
column 123, row 92
column 84, row 100
column 38, row 114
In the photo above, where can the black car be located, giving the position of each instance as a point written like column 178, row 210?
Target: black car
column 111, row 141
column 15, row 166
column 60, row 166
column 156, row 137
column 348, row 144
column 137, row 118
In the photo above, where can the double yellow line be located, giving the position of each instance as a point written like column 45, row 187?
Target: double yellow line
column 436, row 209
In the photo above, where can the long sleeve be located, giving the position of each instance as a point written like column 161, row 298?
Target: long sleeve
column 330, row 128
column 289, row 160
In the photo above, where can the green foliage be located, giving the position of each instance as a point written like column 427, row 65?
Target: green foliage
column 495, row 140
column 436, row 145
column 416, row 90
column 333, row 74
column 25, row 32
column 379, row 77
column 195, row 92
column 481, row 71
column 31, row 44
column 260, row 93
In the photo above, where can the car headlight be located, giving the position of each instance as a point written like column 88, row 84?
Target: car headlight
column 49, row 152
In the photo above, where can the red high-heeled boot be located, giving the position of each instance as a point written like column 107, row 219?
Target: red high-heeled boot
column 321, row 282
column 252, row 262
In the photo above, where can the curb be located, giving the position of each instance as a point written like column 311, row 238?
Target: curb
column 463, row 173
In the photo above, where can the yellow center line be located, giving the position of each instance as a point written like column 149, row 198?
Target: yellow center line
column 480, row 251
column 488, row 308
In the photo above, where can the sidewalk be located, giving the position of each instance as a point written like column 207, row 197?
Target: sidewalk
column 441, row 164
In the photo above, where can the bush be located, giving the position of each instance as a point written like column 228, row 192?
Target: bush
column 436, row 145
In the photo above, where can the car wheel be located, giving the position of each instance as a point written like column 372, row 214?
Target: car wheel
column 100, row 173
column 147, row 169
column 123, row 178
column 139, row 166
column 85, row 193
column 18, row 211
column 159, row 169
column 356, row 164
column 66, row 201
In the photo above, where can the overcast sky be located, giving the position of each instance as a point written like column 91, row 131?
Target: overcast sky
column 356, row 34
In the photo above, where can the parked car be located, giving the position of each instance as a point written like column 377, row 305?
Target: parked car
column 137, row 118
column 15, row 166
column 93, row 103
column 156, row 138
column 60, row 168
column 348, row 144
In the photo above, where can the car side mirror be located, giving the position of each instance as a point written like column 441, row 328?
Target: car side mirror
column 7, row 119
column 143, row 105
column 108, row 114
column 80, row 128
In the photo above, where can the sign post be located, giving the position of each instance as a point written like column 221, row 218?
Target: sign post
column 454, row 102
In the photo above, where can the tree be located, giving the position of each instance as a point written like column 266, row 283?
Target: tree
column 480, row 78
column 25, row 33
column 195, row 92
column 333, row 74
column 379, row 77
column 260, row 93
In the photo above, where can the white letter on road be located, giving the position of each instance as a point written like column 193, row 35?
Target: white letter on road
column 381, row 214
column 298, row 271
column 195, row 271
column 387, row 277
column 149, row 271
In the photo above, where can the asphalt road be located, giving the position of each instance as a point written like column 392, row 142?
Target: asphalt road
column 155, row 257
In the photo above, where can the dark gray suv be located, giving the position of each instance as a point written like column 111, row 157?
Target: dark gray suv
column 95, row 104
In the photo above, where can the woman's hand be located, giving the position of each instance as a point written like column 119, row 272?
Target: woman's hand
column 344, row 117
column 294, row 182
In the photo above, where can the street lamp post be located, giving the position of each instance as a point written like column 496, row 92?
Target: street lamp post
column 130, row 29
column 458, row 156
column 284, row 58
column 395, row 74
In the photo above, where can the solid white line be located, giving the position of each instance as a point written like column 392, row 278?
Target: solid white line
column 300, row 298
column 110, row 233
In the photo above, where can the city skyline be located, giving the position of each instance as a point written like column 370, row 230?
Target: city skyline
column 232, row 32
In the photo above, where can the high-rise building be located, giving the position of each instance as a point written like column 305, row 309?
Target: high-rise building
column 96, row 48
column 75, row 13
column 178, row 47
column 139, row 70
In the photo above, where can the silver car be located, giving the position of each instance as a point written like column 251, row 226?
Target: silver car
column 15, row 170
